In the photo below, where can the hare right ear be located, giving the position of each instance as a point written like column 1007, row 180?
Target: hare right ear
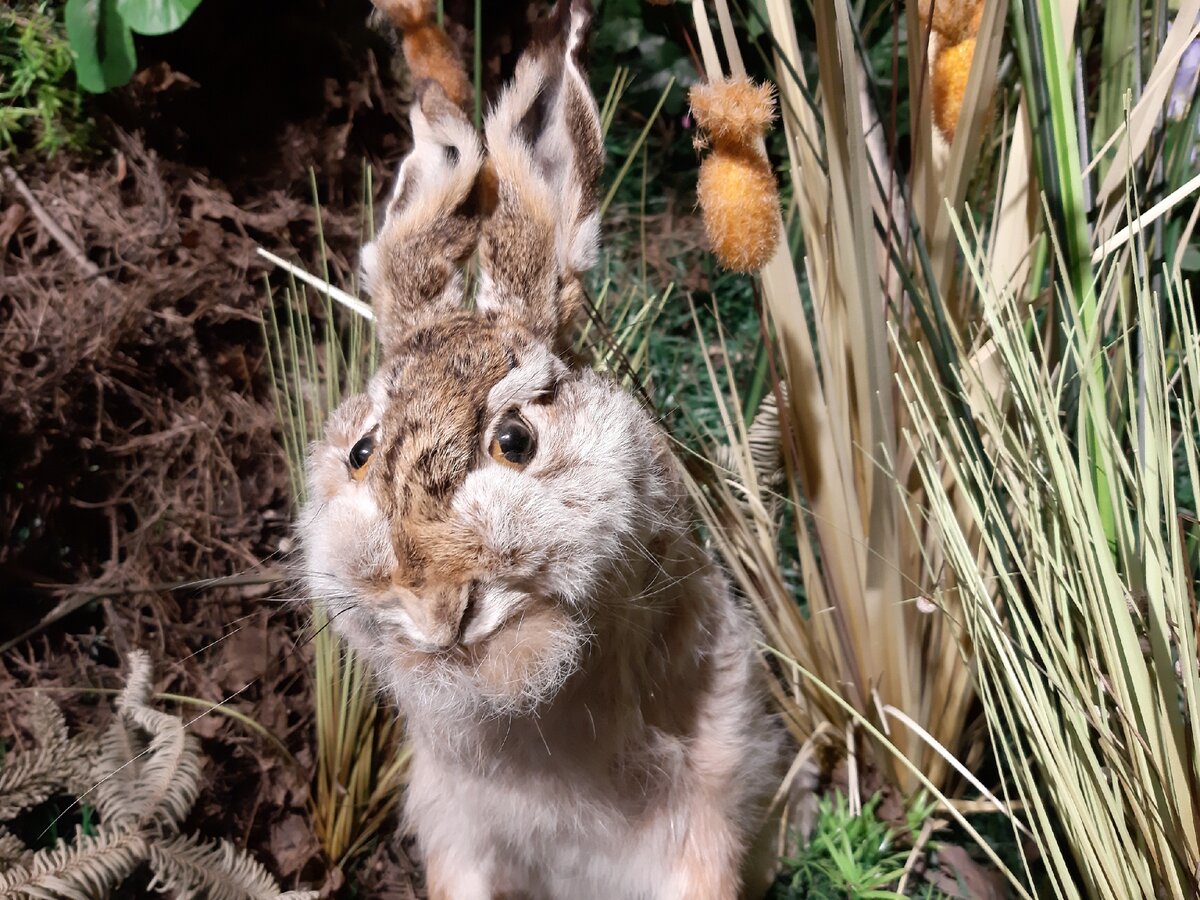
column 546, row 152
column 413, row 268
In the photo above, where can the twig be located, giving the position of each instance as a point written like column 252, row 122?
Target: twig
column 347, row 300
column 90, row 269
column 915, row 854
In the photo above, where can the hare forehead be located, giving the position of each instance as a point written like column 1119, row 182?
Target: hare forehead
column 435, row 388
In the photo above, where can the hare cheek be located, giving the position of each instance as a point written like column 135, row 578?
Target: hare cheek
column 491, row 609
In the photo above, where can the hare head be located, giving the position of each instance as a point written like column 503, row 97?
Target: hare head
column 474, row 510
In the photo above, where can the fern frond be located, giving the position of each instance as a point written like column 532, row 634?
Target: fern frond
column 116, row 772
column 157, row 782
column 90, row 866
column 29, row 778
column 139, row 684
column 12, row 850
column 169, row 777
column 47, row 722
column 760, row 448
column 143, row 789
column 186, row 866
column 763, row 438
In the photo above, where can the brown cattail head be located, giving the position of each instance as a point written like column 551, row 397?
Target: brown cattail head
column 955, row 20
column 951, row 69
column 736, row 110
column 738, row 196
column 955, row 24
column 740, row 206
column 427, row 49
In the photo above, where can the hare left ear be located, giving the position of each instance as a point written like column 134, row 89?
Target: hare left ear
column 546, row 153
column 413, row 268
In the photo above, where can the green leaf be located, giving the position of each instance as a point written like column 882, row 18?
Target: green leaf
column 156, row 16
column 101, row 43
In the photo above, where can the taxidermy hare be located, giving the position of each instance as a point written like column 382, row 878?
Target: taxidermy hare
column 505, row 536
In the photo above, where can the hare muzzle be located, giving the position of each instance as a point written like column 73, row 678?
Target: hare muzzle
column 437, row 614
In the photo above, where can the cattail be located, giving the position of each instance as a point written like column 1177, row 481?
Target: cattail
column 955, row 24
column 955, row 20
column 951, row 69
column 427, row 49
column 738, row 196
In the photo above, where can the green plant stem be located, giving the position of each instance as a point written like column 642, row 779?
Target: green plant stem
column 637, row 146
column 1044, row 54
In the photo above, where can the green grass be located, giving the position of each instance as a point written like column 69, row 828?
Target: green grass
column 41, row 108
column 853, row 855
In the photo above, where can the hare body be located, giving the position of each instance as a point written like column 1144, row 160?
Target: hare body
column 506, row 537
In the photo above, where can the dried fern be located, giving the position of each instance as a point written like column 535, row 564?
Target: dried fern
column 188, row 866
column 763, row 451
column 157, row 781
column 145, row 770
column 58, row 763
column 12, row 850
column 90, row 866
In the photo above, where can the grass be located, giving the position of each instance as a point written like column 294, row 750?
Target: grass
column 850, row 854
column 1089, row 680
column 41, row 108
column 937, row 542
column 360, row 761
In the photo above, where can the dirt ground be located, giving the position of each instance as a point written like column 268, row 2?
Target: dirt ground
column 140, row 455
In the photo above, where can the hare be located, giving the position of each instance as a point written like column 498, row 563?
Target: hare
column 505, row 535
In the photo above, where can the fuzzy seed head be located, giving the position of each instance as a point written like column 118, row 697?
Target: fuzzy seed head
column 736, row 111
column 740, row 207
column 950, row 72
column 956, row 20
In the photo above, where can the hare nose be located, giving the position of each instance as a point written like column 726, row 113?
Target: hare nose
column 439, row 613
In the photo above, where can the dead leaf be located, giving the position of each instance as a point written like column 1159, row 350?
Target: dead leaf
column 244, row 657
column 13, row 216
column 292, row 844
column 959, row 875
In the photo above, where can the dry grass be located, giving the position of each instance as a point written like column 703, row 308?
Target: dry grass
column 917, row 503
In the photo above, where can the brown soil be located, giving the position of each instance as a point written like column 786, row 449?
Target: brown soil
column 140, row 450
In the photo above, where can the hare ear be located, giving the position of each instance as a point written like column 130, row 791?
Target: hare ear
column 546, row 153
column 413, row 268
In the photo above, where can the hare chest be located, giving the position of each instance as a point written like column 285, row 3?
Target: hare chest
column 545, row 836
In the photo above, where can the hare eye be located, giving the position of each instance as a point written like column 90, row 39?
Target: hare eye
column 360, row 454
column 513, row 442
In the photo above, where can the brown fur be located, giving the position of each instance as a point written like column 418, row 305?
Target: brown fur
column 431, row 55
column 438, row 389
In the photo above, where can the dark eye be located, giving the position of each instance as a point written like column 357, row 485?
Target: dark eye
column 360, row 454
column 513, row 442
